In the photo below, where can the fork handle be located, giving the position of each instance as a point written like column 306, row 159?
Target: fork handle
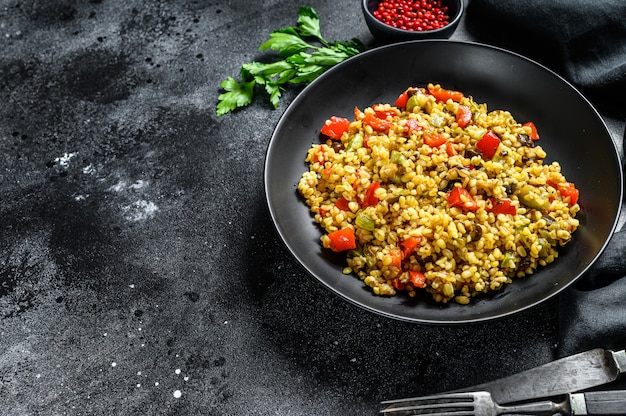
column 610, row 402
column 543, row 408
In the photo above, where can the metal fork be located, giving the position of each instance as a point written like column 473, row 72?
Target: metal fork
column 478, row 403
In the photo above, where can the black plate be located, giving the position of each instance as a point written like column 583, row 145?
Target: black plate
column 571, row 130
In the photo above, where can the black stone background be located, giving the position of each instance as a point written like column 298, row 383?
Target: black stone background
column 137, row 255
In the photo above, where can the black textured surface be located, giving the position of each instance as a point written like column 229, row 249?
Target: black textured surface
column 137, row 256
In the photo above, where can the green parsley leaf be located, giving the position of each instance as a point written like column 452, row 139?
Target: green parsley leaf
column 309, row 24
column 300, row 62
column 285, row 43
column 237, row 95
column 274, row 91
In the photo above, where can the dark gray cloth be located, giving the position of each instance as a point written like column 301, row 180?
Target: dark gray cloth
column 585, row 42
column 582, row 40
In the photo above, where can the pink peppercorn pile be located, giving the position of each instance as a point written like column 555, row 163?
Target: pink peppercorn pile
column 415, row 15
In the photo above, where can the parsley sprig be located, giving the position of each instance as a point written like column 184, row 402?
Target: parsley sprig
column 304, row 55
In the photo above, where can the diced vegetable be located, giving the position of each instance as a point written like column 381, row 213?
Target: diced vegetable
column 396, row 259
column 370, row 197
column 417, row 279
column 382, row 113
column 342, row 240
column 335, row 127
column 434, row 140
column 402, row 99
column 461, row 197
column 442, row 94
column 396, row 157
column 409, row 245
column 376, row 123
column 364, row 221
column 463, row 116
column 413, row 126
column 503, row 206
column 528, row 196
column 534, row 135
column 488, row 144
column 450, row 149
column 568, row 189
column 355, row 143
column 508, row 261
column 342, row 204
column 398, row 284
column 437, row 120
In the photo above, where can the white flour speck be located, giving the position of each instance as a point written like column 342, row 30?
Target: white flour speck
column 177, row 371
column 64, row 161
column 156, row 383
column 118, row 187
column 140, row 210
column 139, row 184
column 177, row 394
column 113, row 364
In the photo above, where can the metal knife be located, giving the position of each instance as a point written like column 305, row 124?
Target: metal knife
column 566, row 375
column 612, row 402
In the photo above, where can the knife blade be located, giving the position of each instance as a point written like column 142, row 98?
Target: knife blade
column 573, row 373
column 612, row 402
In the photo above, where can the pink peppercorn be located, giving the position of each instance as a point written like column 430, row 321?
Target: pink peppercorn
column 414, row 15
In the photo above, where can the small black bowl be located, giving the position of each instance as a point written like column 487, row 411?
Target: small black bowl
column 385, row 33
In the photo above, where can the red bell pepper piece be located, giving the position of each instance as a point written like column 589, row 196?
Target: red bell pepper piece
column 534, row 135
column 463, row 116
column 342, row 240
column 412, row 125
column 503, row 206
column 450, row 149
column 342, row 204
column 442, row 94
column 376, row 123
column 460, row 197
column 370, row 199
column 417, row 279
column 358, row 114
column 409, row 245
column 488, row 144
column 402, row 99
column 398, row 284
column 335, row 127
column 434, row 140
column 568, row 189
column 382, row 113
column 396, row 259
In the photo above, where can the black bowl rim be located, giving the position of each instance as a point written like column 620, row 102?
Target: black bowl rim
column 416, row 34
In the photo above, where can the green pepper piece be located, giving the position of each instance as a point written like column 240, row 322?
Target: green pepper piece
column 419, row 99
column 355, row 143
column 364, row 221
column 396, row 157
column 508, row 261
column 437, row 120
column 532, row 199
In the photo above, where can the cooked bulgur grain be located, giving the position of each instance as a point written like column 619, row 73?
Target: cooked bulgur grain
column 436, row 193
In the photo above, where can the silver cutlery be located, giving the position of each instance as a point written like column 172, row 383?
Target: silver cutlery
column 480, row 403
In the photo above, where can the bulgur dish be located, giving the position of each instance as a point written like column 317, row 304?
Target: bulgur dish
column 436, row 193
